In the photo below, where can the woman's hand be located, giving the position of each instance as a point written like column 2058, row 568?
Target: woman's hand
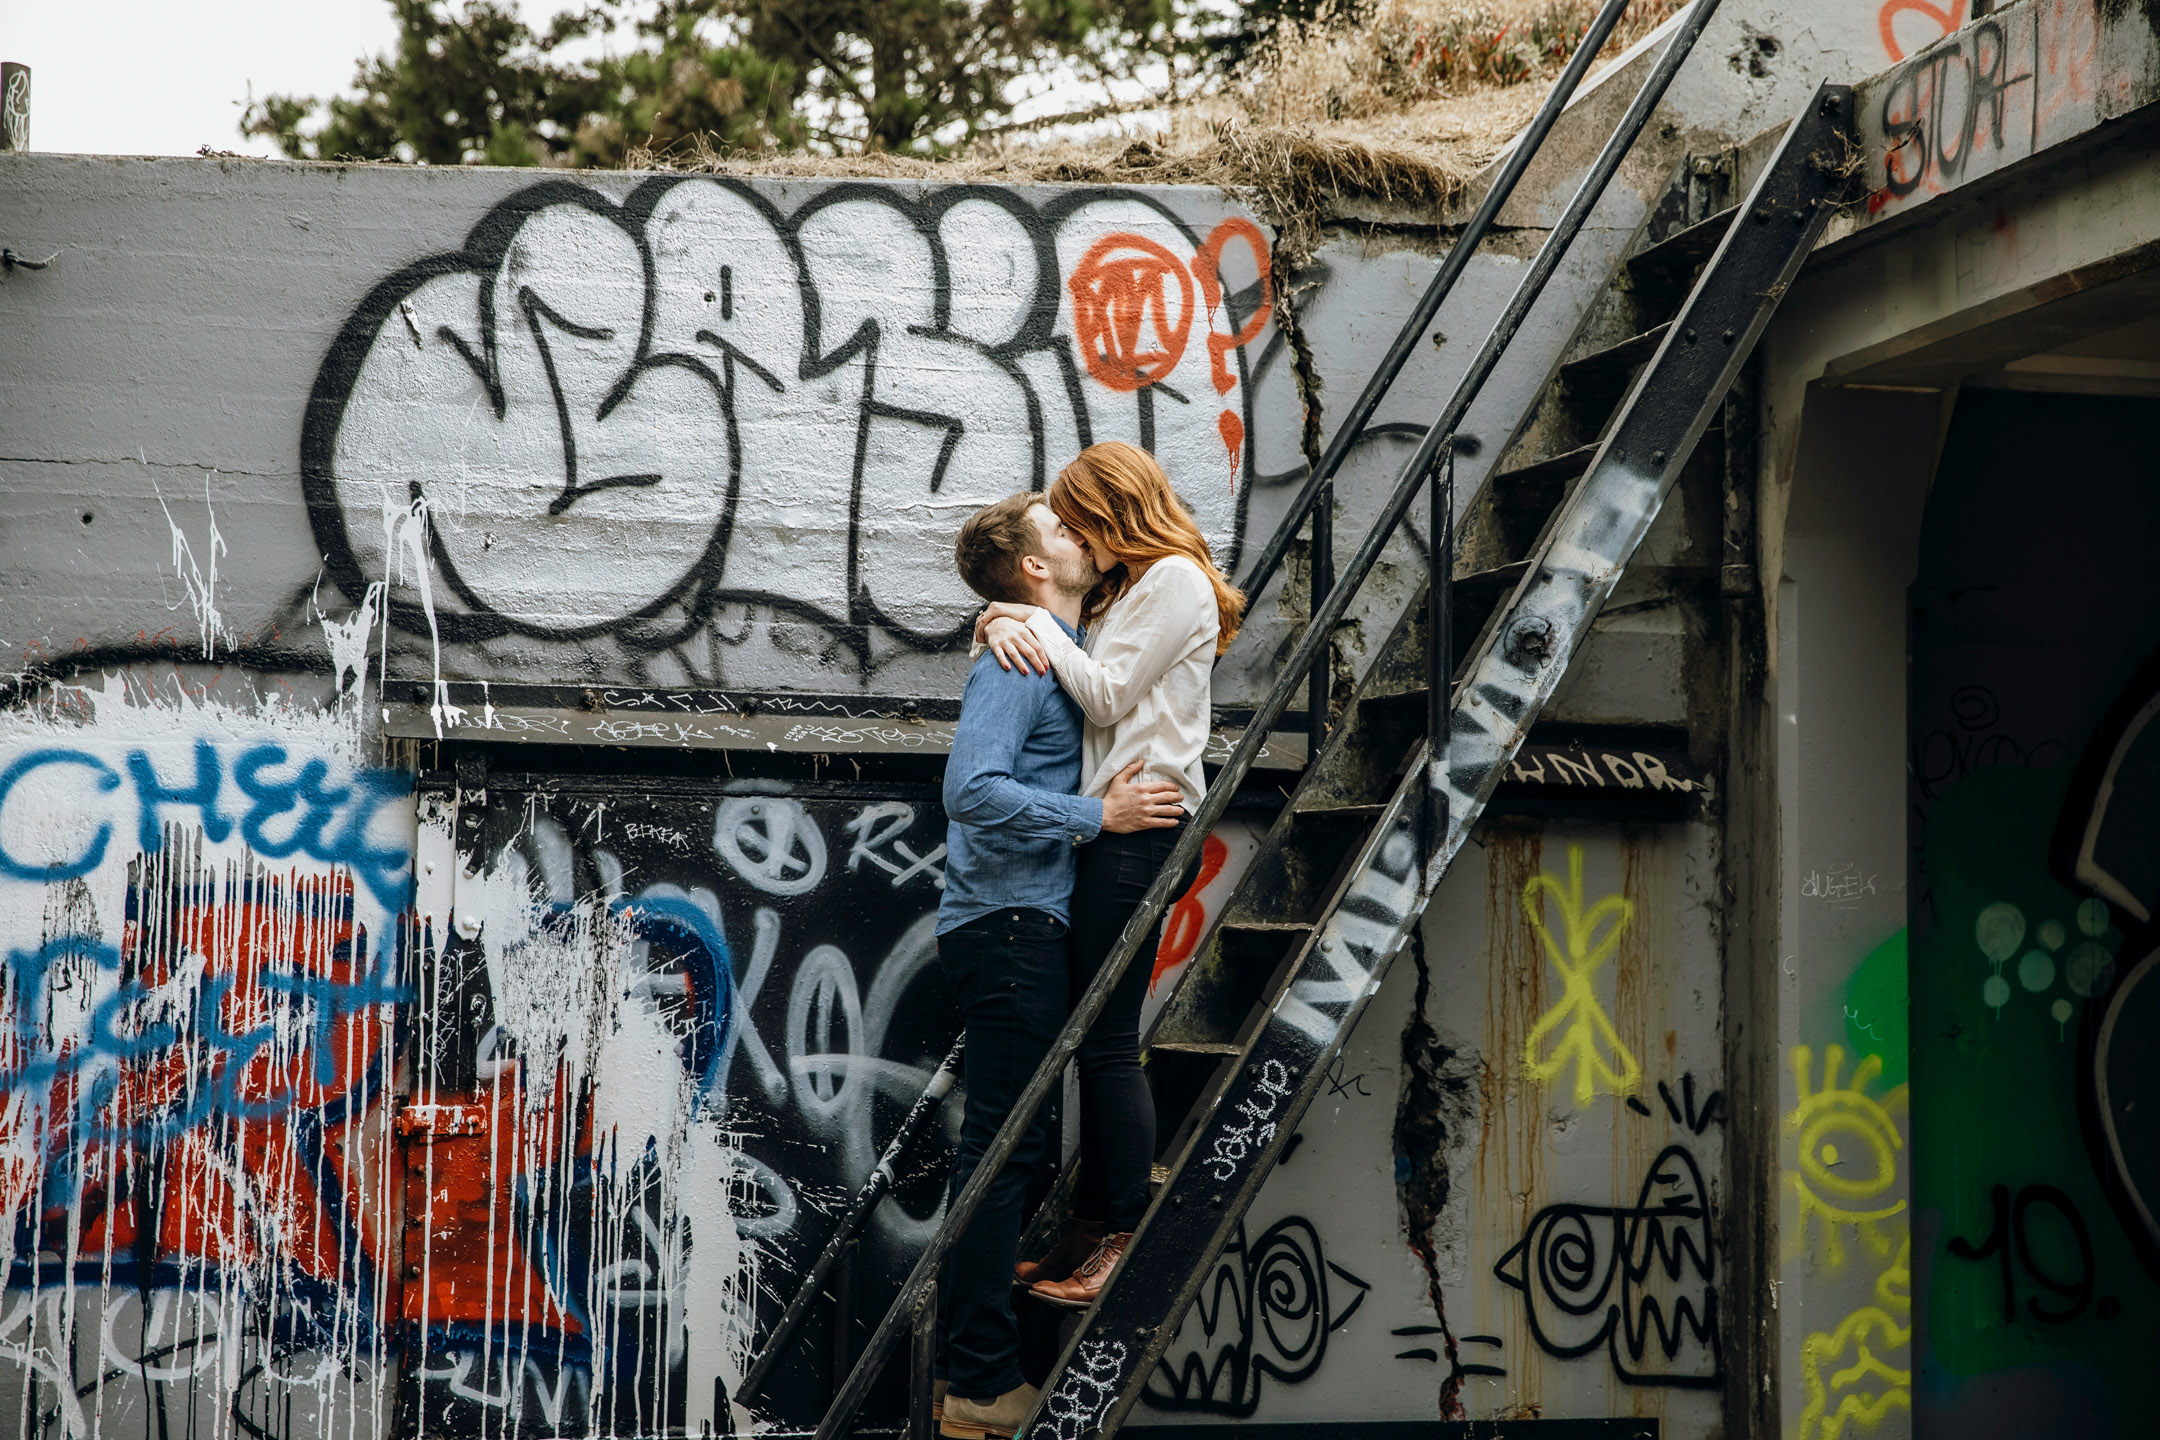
column 1011, row 641
column 1148, row 805
column 1000, row 610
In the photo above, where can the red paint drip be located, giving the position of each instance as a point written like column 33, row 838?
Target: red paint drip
column 1233, row 434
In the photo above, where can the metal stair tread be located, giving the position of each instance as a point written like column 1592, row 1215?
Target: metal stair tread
column 1283, row 927
column 1565, row 466
column 1196, row 1047
column 1624, row 356
column 1500, row 577
column 1684, row 248
column 1358, row 812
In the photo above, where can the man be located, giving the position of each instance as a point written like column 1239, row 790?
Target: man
column 1001, row 928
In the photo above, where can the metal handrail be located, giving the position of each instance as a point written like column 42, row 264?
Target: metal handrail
column 1316, row 498
column 915, row 1292
column 881, row 1181
column 1452, row 266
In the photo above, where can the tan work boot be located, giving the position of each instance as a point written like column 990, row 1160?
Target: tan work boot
column 1079, row 1242
column 967, row 1419
column 1086, row 1283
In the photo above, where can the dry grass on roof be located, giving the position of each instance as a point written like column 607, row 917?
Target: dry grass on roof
column 1400, row 101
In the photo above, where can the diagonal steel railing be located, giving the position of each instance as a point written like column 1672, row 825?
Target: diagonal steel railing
column 1452, row 266
column 1270, row 559
column 882, row 1179
column 1316, row 497
column 900, row 1317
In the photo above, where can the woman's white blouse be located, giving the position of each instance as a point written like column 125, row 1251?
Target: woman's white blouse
column 1143, row 680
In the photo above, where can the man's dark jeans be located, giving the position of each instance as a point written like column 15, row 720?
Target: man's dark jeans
column 1007, row 972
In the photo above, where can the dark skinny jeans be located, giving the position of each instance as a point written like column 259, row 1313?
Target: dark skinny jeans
column 1117, row 1112
column 1007, row 972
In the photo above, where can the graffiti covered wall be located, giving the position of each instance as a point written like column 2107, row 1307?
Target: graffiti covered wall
column 2037, row 1276
column 687, row 432
column 293, row 1151
column 1505, row 1203
column 290, row 1152
column 208, row 967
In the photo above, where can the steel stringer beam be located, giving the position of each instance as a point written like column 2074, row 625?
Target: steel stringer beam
column 1524, row 654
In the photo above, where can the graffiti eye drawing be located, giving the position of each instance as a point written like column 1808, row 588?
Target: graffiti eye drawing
column 1848, row 1155
column 1846, row 1152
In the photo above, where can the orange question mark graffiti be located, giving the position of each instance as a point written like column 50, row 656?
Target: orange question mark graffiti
column 1207, row 268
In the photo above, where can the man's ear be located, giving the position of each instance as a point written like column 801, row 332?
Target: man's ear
column 1035, row 567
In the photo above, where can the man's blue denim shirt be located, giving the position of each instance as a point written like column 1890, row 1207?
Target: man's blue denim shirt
column 1008, row 795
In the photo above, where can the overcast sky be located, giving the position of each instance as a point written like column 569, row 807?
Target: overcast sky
column 166, row 77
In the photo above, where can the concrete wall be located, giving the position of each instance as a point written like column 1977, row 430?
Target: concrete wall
column 295, row 459
column 1965, row 255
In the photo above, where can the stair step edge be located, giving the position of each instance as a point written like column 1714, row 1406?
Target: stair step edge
column 1625, row 353
column 1690, row 245
column 1566, row 465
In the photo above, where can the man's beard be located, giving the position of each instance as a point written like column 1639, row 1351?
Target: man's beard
column 1073, row 575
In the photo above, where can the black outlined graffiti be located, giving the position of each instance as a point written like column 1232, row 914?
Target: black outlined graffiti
column 1685, row 1111
column 1943, row 757
column 1344, row 1086
column 1941, row 111
column 2051, row 1297
column 1268, row 1309
column 1638, row 1280
column 619, row 417
column 2106, row 841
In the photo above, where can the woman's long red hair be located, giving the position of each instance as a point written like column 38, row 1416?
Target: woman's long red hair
column 1117, row 496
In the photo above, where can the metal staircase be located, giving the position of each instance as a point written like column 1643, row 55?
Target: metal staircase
column 1390, row 795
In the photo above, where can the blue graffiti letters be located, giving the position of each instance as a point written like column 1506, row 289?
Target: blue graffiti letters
column 93, row 855
column 283, row 808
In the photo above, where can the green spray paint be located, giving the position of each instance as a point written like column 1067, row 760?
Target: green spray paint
column 1874, row 1010
column 1996, row 1007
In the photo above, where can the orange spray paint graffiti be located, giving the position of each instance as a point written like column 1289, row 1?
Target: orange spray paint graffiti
column 1188, row 918
column 1930, row 23
column 1132, row 310
column 1133, row 313
column 1207, row 268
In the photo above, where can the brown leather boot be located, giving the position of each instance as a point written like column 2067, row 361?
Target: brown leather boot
column 1086, row 1283
column 1079, row 1241
column 965, row 1419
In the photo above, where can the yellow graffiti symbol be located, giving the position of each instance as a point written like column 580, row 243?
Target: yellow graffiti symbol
column 1868, row 1387
column 1845, row 1152
column 1590, row 1038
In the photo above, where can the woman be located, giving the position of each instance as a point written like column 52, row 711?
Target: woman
column 1155, row 622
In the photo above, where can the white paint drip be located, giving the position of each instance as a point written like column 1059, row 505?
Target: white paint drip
column 200, row 586
column 176, row 875
column 580, row 1028
column 405, row 537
